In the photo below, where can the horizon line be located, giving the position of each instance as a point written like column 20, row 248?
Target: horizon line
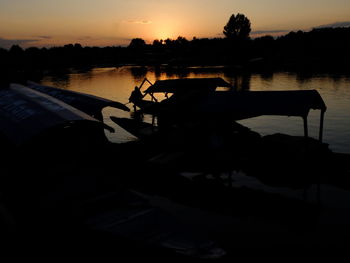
column 6, row 43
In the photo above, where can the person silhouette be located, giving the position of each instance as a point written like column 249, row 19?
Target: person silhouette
column 136, row 96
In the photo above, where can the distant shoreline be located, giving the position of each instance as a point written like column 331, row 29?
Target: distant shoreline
column 319, row 50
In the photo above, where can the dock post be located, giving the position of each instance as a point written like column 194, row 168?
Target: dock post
column 321, row 126
column 306, row 133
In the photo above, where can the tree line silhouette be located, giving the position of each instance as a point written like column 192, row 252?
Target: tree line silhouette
column 319, row 49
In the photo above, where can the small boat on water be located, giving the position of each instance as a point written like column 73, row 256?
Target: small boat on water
column 26, row 113
column 66, row 186
column 91, row 105
column 200, row 114
column 194, row 98
column 176, row 93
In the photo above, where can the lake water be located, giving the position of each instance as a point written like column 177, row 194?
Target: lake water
column 117, row 84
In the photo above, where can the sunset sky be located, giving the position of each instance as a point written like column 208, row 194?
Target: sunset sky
column 116, row 22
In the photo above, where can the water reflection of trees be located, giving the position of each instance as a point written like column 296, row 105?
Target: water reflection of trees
column 58, row 78
column 305, row 77
column 175, row 72
column 138, row 73
column 240, row 81
column 157, row 72
column 267, row 76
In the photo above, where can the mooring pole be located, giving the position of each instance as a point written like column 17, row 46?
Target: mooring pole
column 306, row 134
column 321, row 126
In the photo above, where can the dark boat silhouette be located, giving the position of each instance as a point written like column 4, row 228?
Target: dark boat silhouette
column 56, row 188
column 27, row 113
column 183, row 93
column 87, row 103
column 198, row 114
column 88, row 205
column 198, row 96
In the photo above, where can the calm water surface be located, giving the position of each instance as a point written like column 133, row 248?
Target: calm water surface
column 117, row 84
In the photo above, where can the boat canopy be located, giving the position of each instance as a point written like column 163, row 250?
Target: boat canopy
column 256, row 103
column 26, row 113
column 87, row 103
column 183, row 85
column 248, row 104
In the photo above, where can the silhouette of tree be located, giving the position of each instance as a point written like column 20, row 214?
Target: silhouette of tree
column 16, row 50
column 319, row 49
column 169, row 42
column 77, row 46
column 157, row 43
column 238, row 27
column 182, row 41
column 137, row 43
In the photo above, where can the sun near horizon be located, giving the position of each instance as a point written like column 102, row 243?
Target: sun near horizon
column 115, row 22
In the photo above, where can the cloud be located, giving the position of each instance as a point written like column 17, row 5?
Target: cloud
column 142, row 22
column 45, row 37
column 336, row 24
column 85, row 38
column 7, row 43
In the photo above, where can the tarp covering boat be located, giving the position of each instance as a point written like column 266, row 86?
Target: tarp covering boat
column 245, row 104
column 137, row 128
column 248, row 104
column 180, row 85
column 87, row 103
column 25, row 113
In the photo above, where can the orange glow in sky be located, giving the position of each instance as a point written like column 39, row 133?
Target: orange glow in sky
column 116, row 22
